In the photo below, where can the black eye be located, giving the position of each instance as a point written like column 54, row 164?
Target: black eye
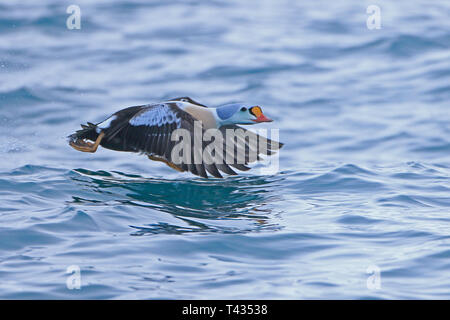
column 243, row 109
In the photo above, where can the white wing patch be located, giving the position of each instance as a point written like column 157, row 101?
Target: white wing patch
column 157, row 115
column 105, row 124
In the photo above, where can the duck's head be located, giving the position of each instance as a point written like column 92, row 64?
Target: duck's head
column 238, row 113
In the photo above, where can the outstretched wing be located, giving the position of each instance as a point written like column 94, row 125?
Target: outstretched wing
column 264, row 146
column 149, row 129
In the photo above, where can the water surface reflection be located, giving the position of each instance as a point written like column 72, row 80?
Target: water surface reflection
column 199, row 205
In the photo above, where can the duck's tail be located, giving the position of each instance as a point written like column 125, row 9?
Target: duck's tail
column 87, row 132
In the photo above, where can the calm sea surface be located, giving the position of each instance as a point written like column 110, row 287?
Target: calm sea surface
column 360, row 207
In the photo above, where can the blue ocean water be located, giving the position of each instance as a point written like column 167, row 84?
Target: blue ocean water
column 363, row 183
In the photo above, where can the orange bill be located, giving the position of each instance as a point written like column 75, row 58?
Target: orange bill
column 260, row 117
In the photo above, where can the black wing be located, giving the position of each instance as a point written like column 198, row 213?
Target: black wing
column 149, row 129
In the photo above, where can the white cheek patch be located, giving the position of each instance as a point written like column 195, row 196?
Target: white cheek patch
column 156, row 116
column 105, row 124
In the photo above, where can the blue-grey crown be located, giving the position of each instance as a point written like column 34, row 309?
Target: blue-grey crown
column 226, row 111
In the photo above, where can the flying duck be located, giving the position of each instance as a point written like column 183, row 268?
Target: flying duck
column 149, row 129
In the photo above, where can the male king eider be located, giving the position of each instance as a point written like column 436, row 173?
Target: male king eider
column 148, row 129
